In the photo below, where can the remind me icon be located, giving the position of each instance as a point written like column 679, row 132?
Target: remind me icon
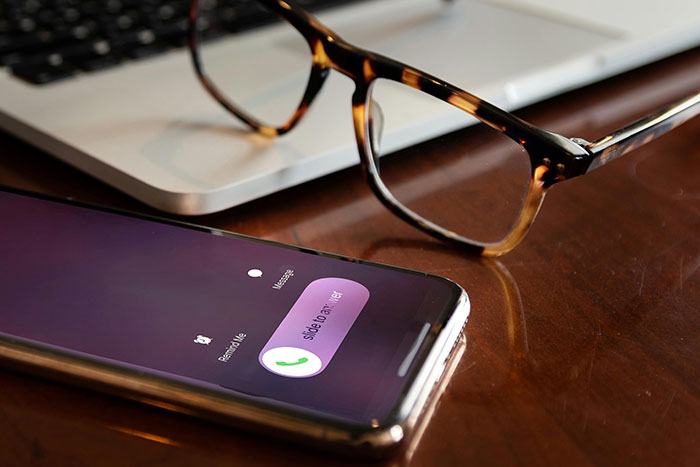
column 202, row 340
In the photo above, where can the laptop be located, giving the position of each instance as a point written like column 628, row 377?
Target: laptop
column 147, row 127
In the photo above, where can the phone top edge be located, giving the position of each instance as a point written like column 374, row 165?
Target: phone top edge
column 225, row 233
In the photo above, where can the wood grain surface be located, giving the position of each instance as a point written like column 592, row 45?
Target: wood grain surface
column 583, row 345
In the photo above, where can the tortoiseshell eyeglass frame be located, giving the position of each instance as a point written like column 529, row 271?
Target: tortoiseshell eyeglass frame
column 553, row 157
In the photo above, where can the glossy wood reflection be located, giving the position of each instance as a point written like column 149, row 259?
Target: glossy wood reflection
column 582, row 346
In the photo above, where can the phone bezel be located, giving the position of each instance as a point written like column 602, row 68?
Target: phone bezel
column 206, row 400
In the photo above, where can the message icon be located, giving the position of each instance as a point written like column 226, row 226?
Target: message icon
column 291, row 361
column 255, row 273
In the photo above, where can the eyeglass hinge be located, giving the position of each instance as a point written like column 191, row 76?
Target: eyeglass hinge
column 580, row 141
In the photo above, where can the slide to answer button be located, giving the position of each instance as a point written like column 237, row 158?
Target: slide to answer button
column 308, row 337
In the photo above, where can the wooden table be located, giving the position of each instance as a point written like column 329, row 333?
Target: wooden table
column 583, row 345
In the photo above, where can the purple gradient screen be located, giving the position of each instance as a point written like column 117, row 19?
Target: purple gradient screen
column 181, row 301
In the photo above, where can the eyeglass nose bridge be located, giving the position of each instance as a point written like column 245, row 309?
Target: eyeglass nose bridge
column 330, row 51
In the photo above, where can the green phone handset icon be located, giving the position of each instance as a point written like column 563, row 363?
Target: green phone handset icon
column 292, row 362
column 298, row 362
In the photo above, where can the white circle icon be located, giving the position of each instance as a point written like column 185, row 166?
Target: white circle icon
column 292, row 362
column 255, row 273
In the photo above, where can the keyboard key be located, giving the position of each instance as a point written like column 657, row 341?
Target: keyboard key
column 42, row 74
column 12, row 44
column 145, row 51
column 96, row 62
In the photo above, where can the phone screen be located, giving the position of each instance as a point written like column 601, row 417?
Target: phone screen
column 284, row 325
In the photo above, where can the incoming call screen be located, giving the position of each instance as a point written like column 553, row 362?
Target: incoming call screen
column 307, row 330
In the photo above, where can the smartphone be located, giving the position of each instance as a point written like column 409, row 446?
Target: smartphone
column 337, row 352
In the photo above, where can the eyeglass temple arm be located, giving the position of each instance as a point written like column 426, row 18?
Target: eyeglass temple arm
column 644, row 130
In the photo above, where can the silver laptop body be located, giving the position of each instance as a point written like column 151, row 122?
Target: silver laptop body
column 149, row 129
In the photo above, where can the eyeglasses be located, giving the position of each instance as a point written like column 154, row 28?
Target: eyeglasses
column 496, row 183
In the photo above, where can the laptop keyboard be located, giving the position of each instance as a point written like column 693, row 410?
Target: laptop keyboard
column 42, row 41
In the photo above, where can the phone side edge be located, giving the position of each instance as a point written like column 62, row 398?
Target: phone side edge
column 427, row 387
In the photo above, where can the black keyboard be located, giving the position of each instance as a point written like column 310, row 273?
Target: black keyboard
column 42, row 41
